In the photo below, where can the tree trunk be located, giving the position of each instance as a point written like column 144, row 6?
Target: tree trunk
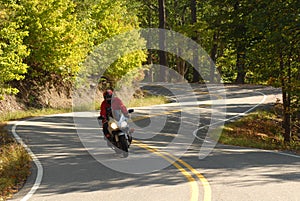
column 286, row 102
column 213, row 56
column 162, row 41
column 240, row 64
column 181, row 68
column 240, row 44
column 149, row 74
column 297, row 103
column 181, row 65
column 196, row 74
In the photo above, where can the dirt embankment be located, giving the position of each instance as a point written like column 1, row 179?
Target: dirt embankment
column 12, row 103
column 49, row 98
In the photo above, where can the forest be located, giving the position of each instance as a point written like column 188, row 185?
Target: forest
column 43, row 44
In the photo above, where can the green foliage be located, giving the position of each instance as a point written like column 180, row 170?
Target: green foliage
column 57, row 43
column 12, row 49
column 251, row 41
column 228, row 63
column 274, row 28
column 276, row 53
column 46, row 42
column 59, row 34
column 109, row 20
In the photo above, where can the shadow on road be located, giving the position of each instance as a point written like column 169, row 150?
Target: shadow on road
column 68, row 167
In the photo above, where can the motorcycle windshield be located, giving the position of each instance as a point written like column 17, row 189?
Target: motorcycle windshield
column 116, row 114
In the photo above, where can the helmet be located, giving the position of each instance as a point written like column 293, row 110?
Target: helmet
column 107, row 94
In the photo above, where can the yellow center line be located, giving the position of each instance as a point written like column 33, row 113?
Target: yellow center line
column 203, row 180
column 192, row 181
column 205, row 183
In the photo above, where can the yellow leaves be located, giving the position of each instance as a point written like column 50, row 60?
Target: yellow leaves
column 274, row 81
column 3, row 14
column 12, row 50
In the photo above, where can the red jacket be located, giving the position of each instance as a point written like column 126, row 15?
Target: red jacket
column 117, row 104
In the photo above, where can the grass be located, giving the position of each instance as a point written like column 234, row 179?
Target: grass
column 147, row 101
column 261, row 130
column 14, row 165
column 17, row 115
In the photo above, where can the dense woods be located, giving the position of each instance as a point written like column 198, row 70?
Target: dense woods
column 43, row 43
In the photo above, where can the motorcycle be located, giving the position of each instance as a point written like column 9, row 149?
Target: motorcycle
column 120, row 134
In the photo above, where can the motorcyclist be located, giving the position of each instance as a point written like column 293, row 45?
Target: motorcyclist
column 111, row 106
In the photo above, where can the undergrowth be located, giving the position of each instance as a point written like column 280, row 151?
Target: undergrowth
column 262, row 129
column 14, row 165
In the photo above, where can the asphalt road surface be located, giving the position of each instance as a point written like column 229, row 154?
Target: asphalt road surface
column 174, row 156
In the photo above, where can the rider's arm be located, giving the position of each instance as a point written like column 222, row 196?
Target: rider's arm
column 103, row 111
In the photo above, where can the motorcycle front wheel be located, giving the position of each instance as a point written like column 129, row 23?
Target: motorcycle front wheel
column 124, row 145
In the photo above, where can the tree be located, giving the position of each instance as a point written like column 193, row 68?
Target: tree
column 196, row 75
column 57, row 44
column 240, row 38
column 162, row 40
column 275, row 54
column 229, row 22
column 104, row 20
column 12, row 49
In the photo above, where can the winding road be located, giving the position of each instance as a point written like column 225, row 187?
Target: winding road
column 173, row 156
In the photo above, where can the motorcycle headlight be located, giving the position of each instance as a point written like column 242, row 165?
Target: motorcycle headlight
column 113, row 125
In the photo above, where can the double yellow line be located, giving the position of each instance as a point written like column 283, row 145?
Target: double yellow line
column 178, row 163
